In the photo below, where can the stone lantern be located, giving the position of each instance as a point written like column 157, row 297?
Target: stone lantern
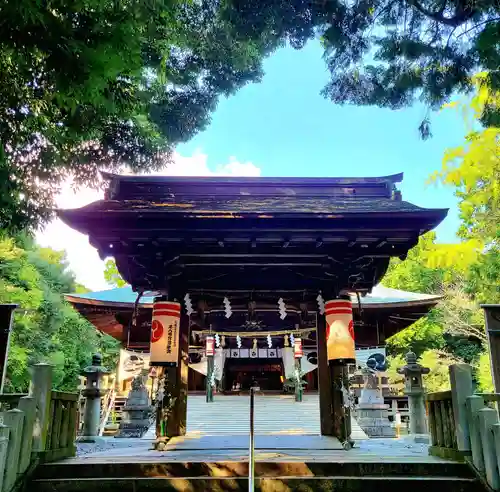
column 93, row 393
column 414, row 389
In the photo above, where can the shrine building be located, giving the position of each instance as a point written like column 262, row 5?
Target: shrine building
column 377, row 316
column 229, row 260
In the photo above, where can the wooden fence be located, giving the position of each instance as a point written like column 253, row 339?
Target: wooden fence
column 37, row 427
column 466, row 425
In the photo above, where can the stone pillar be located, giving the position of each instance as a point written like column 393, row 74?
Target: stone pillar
column 492, row 315
column 93, row 393
column 461, row 389
column 414, row 389
column 6, row 311
column 40, row 390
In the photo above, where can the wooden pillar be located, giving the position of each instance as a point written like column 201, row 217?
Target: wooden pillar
column 341, row 413
column 324, row 382
column 177, row 383
column 171, row 411
column 492, row 314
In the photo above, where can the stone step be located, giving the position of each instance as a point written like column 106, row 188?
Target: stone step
column 270, row 476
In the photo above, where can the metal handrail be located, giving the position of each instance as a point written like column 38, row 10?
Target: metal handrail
column 251, row 458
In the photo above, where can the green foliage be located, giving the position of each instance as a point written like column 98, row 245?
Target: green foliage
column 483, row 374
column 45, row 328
column 419, row 337
column 473, row 169
column 99, row 84
column 386, row 53
column 438, row 362
column 112, row 275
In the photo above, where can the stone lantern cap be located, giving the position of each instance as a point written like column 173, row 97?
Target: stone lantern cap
column 96, row 367
column 412, row 366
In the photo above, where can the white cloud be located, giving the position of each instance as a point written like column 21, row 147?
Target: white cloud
column 82, row 257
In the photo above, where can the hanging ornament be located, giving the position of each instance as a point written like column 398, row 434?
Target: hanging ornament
column 223, row 341
column 269, row 341
column 282, row 308
column 238, row 341
column 254, row 344
column 292, row 339
column 217, row 340
column 212, row 379
column 227, row 307
column 189, row 305
column 321, row 304
column 209, row 346
column 297, row 348
column 286, row 343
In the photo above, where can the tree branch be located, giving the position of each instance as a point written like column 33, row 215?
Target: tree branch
column 461, row 15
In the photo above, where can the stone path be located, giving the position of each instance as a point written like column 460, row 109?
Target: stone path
column 268, row 448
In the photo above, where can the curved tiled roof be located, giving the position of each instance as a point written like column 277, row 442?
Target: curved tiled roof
column 380, row 297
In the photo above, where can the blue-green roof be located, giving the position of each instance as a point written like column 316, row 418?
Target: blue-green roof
column 126, row 297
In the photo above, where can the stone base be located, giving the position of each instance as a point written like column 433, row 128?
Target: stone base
column 133, row 429
column 372, row 418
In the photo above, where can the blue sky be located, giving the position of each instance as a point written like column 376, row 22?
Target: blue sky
column 286, row 128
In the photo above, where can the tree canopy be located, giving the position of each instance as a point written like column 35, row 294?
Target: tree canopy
column 92, row 84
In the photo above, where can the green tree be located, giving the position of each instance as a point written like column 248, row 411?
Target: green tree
column 99, row 84
column 45, row 328
column 388, row 53
column 112, row 275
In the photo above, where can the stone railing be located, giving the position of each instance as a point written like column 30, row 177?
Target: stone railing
column 37, row 427
column 442, row 425
column 466, row 425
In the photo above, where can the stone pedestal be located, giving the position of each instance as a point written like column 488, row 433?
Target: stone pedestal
column 137, row 412
column 372, row 413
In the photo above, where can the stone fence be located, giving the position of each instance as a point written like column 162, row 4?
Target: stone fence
column 37, row 427
column 465, row 425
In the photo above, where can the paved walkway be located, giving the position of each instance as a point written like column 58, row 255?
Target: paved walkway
column 268, row 448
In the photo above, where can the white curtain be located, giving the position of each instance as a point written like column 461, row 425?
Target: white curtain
column 288, row 362
column 201, row 366
column 306, row 366
column 219, row 360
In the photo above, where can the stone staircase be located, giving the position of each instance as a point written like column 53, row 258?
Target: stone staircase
column 134, row 475
column 274, row 414
column 229, row 415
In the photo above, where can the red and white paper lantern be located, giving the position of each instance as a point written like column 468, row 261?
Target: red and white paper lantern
column 165, row 333
column 210, row 346
column 339, row 330
column 297, row 348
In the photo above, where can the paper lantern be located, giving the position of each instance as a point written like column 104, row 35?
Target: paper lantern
column 339, row 330
column 297, row 348
column 165, row 333
column 210, row 346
